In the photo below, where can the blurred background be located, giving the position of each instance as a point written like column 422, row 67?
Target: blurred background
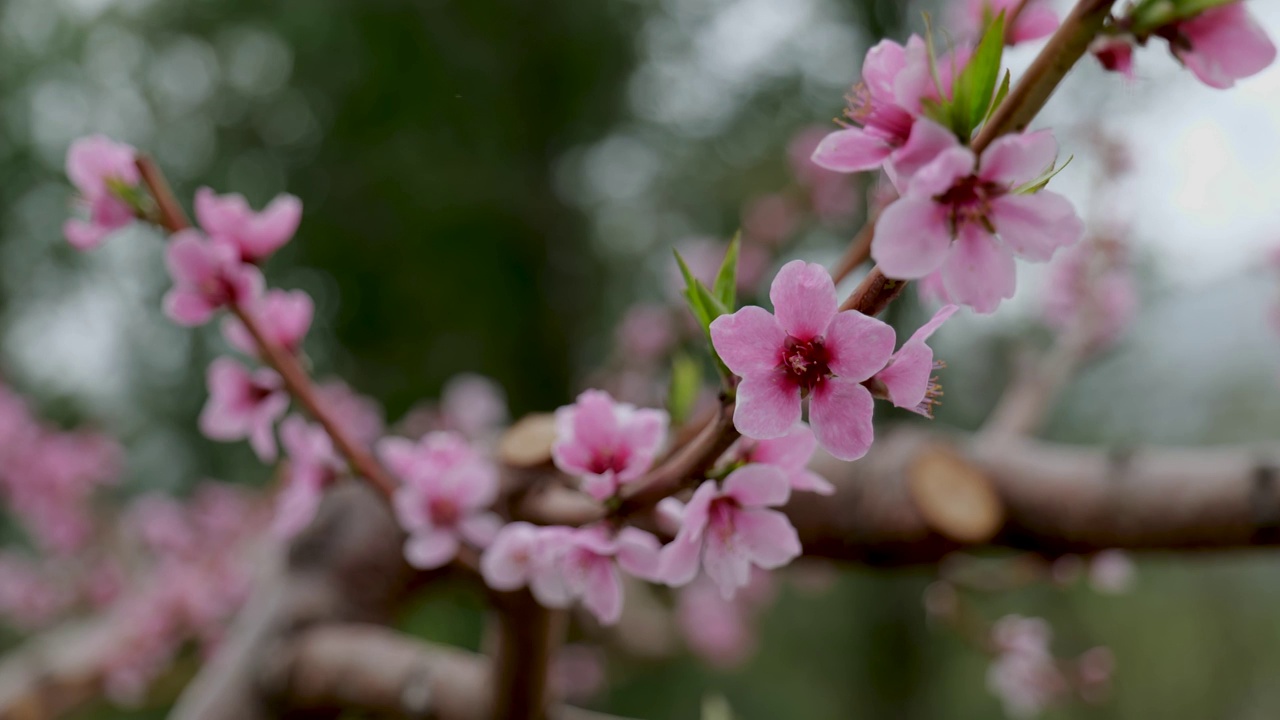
column 489, row 185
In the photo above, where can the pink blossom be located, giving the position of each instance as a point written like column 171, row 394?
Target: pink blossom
column 645, row 333
column 728, row 529
column 1115, row 54
column 585, row 563
column 1221, row 45
column 715, row 629
column 313, row 466
column 207, row 275
column 29, row 598
column 770, row 219
column 1036, row 20
column 284, row 316
column 473, row 405
column 1024, row 675
column 97, row 165
column 1092, row 283
column 805, row 347
column 966, row 218
column 790, row 453
column 256, row 235
column 883, row 110
column 244, row 404
column 520, row 555
column 831, row 194
column 606, row 443
column 907, row 381
column 447, row 488
column 1111, row 571
column 360, row 416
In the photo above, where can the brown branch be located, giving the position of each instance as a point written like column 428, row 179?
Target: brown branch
column 295, row 377
column 529, row 636
column 858, row 252
column 1064, row 48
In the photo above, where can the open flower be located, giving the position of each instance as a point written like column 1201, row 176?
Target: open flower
column 907, row 381
column 726, row 530
column 284, row 316
column 789, row 453
column 444, row 499
column 95, row 164
column 805, row 347
column 606, row 443
column 244, row 404
column 1221, row 45
column 207, row 275
column 585, row 563
column 966, row 218
column 313, row 466
column 256, row 235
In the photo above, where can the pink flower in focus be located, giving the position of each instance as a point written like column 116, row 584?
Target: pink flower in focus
column 313, row 466
column 907, row 381
column 207, row 275
column 727, row 530
column 473, row 405
column 790, row 453
column 808, row 348
column 95, row 164
column 444, row 499
column 606, row 443
column 284, row 316
column 1036, row 20
column 244, row 404
column 358, row 415
column 1221, row 45
column 964, row 217
column 256, row 235
column 1115, row 54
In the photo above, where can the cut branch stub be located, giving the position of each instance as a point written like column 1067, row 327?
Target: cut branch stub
column 527, row 443
column 954, row 496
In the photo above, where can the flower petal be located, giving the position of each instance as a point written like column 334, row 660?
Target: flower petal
column 912, row 238
column 767, row 405
column 840, row 415
column 757, row 485
column 430, row 549
column 768, row 537
column 858, row 346
column 750, row 341
column 927, row 141
column 1035, row 226
column 789, row 451
column 804, row 299
column 979, row 273
column 726, row 563
column 1016, row 159
column 851, row 150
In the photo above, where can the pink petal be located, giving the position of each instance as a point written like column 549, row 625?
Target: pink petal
column 82, row 235
column 295, row 509
column 262, row 436
column 881, row 66
column 411, row 508
column 190, row 259
column 926, row 331
column 695, row 515
column 906, row 379
column 767, row 405
column 840, row 414
column 600, row 486
column 595, row 424
column 274, row 226
column 809, row 481
column 221, row 215
column 1013, row 160
column 768, row 537
column 979, row 273
column 858, row 346
column 851, row 150
column 398, row 455
column 1035, row 22
column 927, row 141
column 678, row 561
column 480, row 529
column 431, row 549
column 1227, row 44
column 750, row 341
column 725, row 562
column 642, row 436
column 603, row 592
column 757, row 484
column 804, row 299
column 472, row 484
column 789, row 452
column 1035, row 226
column 942, row 173
column 638, row 553
column 505, row 564
column 912, row 238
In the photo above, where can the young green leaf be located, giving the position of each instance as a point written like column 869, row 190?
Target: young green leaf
column 971, row 95
column 1000, row 95
column 706, row 307
column 727, row 278
column 686, row 381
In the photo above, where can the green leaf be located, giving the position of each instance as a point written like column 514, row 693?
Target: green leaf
column 1000, row 95
column 971, row 95
column 686, row 381
column 1038, row 184
column 727, row 278
column 706, row 307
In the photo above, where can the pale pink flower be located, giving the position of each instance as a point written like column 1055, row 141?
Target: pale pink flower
column 805, row 347
column 444, row 499
column 313, row 466
column 884, row 108
column 473, row 405
column 965, row 217
column 790, row 453
column 256, row 235
column 645, row 334
column 1024, row 675
column 521, row 555
column 1037, row 20
column 284, row 316
column 244, row 404
column 1115, row 54
column 907, row 381
column 715, row 629
column 1091, row 283
column 606, row 443
column 1111, row 572
column 360, row 416
column 95, row 164
column 726, row 530
column 584, row 564
column 207, row 275
column 1221, row 45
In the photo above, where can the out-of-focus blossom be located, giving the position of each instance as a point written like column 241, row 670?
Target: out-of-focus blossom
column 207, row 275
column 473, row 405
column 99, row 168
column 805, row 347
column 1111, row 571
column 256, row 235
column 725, row 531
column 1024, row 675
column 284, row 317
column 1094, row 669
column 769, row 219
column 790, row 453
column 1035, row 20
column 1115, row 54
column 29, row 598
column 645, row 333
column 968, row 219
column 585, row 564
column 704, row 255
column 1092, row 283
column 244, row 403
column 1221, row 45
column 606, row 443
column 721, row 631
column 832, row 196
column 360, row 416
column 312, row 467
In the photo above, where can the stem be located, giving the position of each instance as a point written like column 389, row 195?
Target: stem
column 858, row 252
column 295, row 377
column 529, row 635
column 1067, row 45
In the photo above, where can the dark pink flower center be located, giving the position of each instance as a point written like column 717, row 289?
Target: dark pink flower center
column 806, row 362
column 970, row 200
column 720, row 516
column 878, row 116
column 444, row 511
column 611, row 460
